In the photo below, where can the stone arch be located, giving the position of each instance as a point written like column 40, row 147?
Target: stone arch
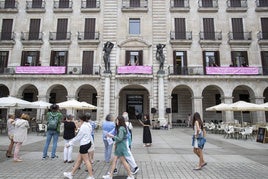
column 4, row 90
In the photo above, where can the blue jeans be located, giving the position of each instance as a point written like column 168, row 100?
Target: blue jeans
column 55, row 136
column 107, row 151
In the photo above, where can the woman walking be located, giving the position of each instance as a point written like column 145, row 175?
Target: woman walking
column 121, row 150
column 68, row 134
column 84, row 136
column 198, row 133
column 20, row 134
column 147, row 137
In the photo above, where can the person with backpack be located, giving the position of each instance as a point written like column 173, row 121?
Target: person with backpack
column 54, row 118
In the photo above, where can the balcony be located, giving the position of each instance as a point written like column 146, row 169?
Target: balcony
column 261, row 6
column 64, row 7
column 204, row 6
column 232, row 71
column 137, row 6
column 237, row 6
column 240, row 38
column 179, row 6
column 60, row 38
column 188, row 70
column 7, row 38
column 78, row 70
column 210, row 38
column 181, row 38
column 262, row 38
column 93, row 6
column 32, row 38
column 9, row 7
column 88, row 38
column 32, row 7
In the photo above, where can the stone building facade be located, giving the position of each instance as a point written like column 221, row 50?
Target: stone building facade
column 215, row 51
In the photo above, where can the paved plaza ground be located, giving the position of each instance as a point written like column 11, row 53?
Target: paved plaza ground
column 170, row 157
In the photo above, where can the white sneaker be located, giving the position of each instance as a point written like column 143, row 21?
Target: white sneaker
column 68, row 175
column 130, row 177
column 106, row 177
column 89, row 177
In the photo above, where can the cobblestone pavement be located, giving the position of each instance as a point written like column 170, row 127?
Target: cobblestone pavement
column 170, row 157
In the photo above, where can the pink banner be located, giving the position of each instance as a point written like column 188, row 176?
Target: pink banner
column 41, row 69
column 134, row 69
column 232, row 70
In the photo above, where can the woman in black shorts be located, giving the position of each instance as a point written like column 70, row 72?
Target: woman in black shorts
column 83, row 136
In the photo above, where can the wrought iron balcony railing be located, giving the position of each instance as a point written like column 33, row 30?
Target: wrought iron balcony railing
column 127, row 4
column 179, row 4
column 7, row 36
column 88, row 36
column 208, row 4
column 210, row 35
column 60, row 36
column 9, row 4
column 240, row 36
column 237, row 4
column 34, row 5
column 66, row 5
column 25, row 36
column 262, row 35
column 90, row 4
column 187, row 35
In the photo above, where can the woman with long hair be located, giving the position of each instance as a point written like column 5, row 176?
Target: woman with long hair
column 121, row 150
column 147, row 137
column 198, row 132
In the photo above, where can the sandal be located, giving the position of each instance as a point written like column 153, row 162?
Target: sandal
column 198, row 168
column 204, row 164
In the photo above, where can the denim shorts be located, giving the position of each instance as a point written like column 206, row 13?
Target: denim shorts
column 84, row 148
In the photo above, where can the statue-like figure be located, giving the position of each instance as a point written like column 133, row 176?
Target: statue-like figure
column 108, row 46
column 160, row 55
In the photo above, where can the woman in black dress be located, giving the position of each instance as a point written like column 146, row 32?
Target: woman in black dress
column 147, row 137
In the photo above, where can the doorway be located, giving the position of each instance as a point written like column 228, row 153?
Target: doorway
column 134, row 106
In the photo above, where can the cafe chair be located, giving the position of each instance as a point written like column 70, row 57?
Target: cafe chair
column 247, row 132
column 41, row 129
column 229, row 131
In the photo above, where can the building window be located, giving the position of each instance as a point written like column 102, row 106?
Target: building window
column 264, row 28
column 207, row 3
column 62, row 29
column 10, row 4
column 180, row 28
column 3, row 60
column 88, row 58
column 180, row 62
column 59, row 58
column 179, row 3
column 209, row 32
column 237, row 27
column 34, row 29
column 134, row 58
column 6, row 33
column 264, row 60
column 30, row 58
column 134, row 26
column 211, row 59
column 239, row 59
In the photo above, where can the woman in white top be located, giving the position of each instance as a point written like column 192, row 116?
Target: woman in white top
column 198, row 130
column 84, row 137
column 20, row 134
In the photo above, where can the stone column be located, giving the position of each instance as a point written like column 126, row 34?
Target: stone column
column 197, row 105
column 260, row 115
column 170, row 114
column 228, row 116
column 161, row 99
column 40, row 113
column 106, row 97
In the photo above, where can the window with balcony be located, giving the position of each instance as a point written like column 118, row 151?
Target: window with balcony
column 180, row 28
column 134, row 26
column 87, row 62
column 262, row 3
column 3, row 60
column 134, row 3
column 264, row 28
column 62, row 26
column 37, row 4
column 89, row 3
column 89, row 28
column 239, row 59
column 180, row 62
column 134, row 58
column 64, row 4
column 10, row 4
column 208, row 26
column 6, row 33
column 211, row 58
column 206, row 3
column 30, row 58
column 34, row 32
column 237, row 29
column 59, row 58
column 235, row 3
column 179, row 3
column 264, row 60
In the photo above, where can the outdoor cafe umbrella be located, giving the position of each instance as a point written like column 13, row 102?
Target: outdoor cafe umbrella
column 237, row 106
column 7, row 102
column 75, row 105
column 42, row 105
column 88, row 106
